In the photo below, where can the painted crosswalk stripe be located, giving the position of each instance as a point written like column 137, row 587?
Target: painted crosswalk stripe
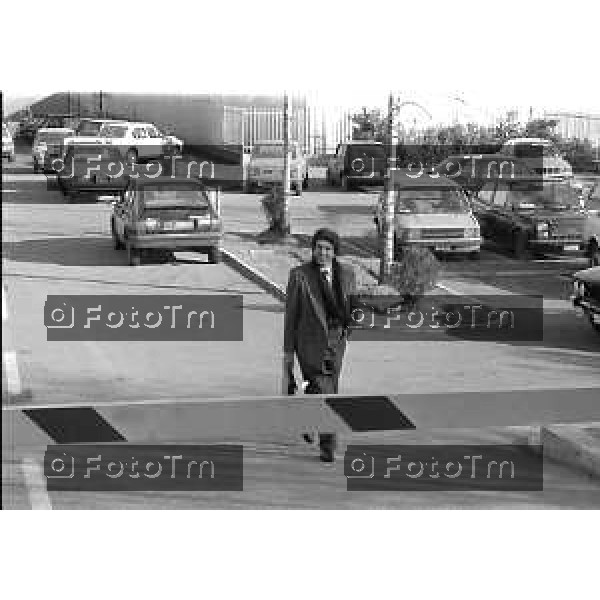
column 35, row 482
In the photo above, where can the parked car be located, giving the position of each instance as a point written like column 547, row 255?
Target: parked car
column 586, row 294
column 8, row 145
column 92, row 168
column 431, row 213
column 358, row 162
column 265, row 168
column 472, row 171
column 167, row 214
column 141, row 141
column 49, row 145
column 541, row 155
column 531, row 218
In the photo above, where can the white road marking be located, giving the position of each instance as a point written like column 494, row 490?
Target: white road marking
column 4, row 309
column 9, row 191
column 11, row 372
column 35, row 484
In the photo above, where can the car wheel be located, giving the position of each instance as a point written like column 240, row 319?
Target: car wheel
column 520, row 245
column 133, row 255
column 594, row 254
column 36, row 166
column 118, row 244
column 214, row 255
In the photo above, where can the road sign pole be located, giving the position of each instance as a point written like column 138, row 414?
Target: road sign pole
column 387, row 255
column 286, row 165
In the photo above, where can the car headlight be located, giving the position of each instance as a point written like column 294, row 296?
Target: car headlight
column 472, row 232
column 541, row 230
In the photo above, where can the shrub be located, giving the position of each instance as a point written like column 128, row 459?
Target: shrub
column 416, row 272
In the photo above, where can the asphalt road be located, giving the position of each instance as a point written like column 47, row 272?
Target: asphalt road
column 50, row 247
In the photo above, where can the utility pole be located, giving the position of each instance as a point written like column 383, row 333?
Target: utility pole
column 286, row 165
column 387, row 254
column 101, row 114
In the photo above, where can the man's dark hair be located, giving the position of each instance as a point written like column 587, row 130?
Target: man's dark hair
column 329, row 236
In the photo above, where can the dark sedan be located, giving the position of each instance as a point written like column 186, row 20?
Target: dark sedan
column 531, row 218
column 473, row 171
column 92, row 168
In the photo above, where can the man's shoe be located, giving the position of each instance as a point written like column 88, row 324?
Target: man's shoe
column 327, row 447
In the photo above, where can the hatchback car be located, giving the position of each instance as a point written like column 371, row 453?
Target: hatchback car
column 530, row 217
column 265, row 168
column 358, row 162
column 167, row 214
column 96, row 168
column 430, row 213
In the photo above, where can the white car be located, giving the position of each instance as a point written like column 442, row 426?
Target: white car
column 552, row 165
column 265, row 168
column 141, row 141
column 8, row 145
column 431, row 213
column 48, row 146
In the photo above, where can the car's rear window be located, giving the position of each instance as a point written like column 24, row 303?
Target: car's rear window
column 174, row 197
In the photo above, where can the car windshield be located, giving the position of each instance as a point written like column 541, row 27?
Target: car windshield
column 431, row 201
column 52, row 137
column 551, row 197
column 272, row 151
column 170, row 196
column 114, row 131
column 534, row 150
column 94, row 153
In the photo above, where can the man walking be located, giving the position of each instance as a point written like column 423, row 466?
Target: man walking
column 317, row 315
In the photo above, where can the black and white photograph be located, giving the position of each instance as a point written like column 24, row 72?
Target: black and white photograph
column 302, row 259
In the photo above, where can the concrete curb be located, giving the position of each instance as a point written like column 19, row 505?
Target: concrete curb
column 571, row 445
column 253, row 275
